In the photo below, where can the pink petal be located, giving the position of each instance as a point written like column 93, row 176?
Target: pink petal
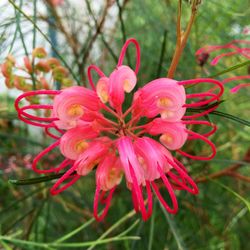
column 162, row 96
column 91, row 157
column 109, row 172
column 150, row 154
column 173, row 136
column 70, row 105
column 128, row 158
column 122, row 79
column 102, row 89
column 76, row 140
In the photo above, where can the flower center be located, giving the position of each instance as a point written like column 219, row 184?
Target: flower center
column 127, row 86
column 166, row 138
column 75, row 110
column 164, row 102
column 81, row 146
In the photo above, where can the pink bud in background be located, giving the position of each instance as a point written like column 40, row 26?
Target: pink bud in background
column 56, row 2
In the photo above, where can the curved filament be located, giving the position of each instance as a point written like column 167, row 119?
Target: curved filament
column 49, row 133
column 105, row 202
column 170, row 190
column 37, row 124
column 56, row 189
column 204, row 80
column 206, row 123
column 41, row 155
column 180, row 165
column 139, row 197
column 124, row 50
column 97, row 70
column 200, row 96
column 200, row 114
column 235, row 78
column 195, row 136
column 27, row 118
column 182, row 179
column 217, row 58
column 35, row 93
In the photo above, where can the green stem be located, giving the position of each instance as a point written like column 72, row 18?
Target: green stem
column 37, row 180
column 114, row 226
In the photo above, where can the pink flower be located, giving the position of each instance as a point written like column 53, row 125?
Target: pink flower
column 56, row 2
column 234, row 47
column 162, row 96
column 237, row 49
column 92, row 129
column 173, row 134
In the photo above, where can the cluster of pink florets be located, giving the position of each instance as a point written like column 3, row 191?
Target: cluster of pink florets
column 96, row 131
column 233, row 48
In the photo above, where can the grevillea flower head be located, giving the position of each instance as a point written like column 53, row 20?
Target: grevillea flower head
column 235, row 47
column 137, row 143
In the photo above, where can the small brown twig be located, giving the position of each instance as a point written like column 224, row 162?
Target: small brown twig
column 182, row 38
column 230, row 171
column 99, row 25
column 72, row 41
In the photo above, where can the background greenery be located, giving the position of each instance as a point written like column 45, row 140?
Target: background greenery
column 217, row 218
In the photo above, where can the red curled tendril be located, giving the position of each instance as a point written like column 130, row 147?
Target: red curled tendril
column 68, row 175
column 184, row 177
column 47, row 131
column 123, row 52
column 195, row 136
column 170, row 190
column 98, row 71
column 204, row 80
column 105, row 202
column 139, row 197
column 200, row 114
column 201, row 96
column 206, row 123
column 41, row 155
column 32, row 119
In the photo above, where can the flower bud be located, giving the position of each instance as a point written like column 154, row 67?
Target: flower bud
column 59, row 73
column 102, row 89
column 6, row 69
column 67, row 82
column 27, row 64
column 20, row 83
column 44, row 83
column 53, row 62
column 39, row 53
column 11, row 59
column 42, row 66
column 9, row 82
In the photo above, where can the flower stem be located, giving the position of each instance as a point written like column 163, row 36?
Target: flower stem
column 181, row 38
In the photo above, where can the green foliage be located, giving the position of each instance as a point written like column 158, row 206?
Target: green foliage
column 217, row 218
